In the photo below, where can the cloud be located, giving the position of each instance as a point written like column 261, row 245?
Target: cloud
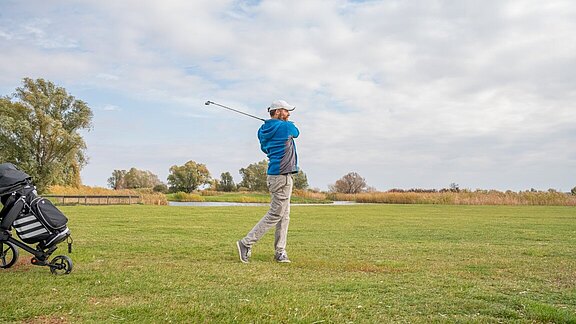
column 110, row 108
column 412, row 93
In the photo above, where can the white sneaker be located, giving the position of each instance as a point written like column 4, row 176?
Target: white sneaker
column 243, row 252
column 281, row 257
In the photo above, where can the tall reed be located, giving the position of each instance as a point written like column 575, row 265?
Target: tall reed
column 480, row 197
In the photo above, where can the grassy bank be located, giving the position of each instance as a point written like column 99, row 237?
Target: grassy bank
column 361, row 264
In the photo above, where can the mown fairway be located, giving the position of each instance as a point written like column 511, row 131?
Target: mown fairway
column 360, row 263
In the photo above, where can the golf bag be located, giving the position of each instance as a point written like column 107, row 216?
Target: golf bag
column 35, row 219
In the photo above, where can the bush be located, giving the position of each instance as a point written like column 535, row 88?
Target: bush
column 162, row 188
column 184, row 196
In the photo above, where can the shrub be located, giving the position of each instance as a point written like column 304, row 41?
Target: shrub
column 162, row 188
column 184, row 196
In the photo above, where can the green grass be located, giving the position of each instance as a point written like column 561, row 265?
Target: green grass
column 360, row 263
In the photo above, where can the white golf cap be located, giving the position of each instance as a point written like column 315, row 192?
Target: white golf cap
column 281, row 104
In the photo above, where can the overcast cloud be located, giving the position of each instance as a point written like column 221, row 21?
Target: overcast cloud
column 406, row 93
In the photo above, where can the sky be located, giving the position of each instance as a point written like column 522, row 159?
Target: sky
column 408, row 94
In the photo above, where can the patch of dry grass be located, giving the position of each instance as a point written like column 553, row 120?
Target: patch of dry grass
column 481, row 197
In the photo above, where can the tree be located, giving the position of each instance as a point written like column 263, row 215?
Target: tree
column 300, row 180
column 116, row 181
column 188, row 177
column 39, row 132
column 573, row 191
column 350, row 183
column 454, row 187
column 226, row 182
column 254, row 176
column 133, row 179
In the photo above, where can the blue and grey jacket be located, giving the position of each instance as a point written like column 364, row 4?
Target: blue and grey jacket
column 277, row 141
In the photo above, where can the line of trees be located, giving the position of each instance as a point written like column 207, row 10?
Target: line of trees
column 40, row 126
column 192, row 175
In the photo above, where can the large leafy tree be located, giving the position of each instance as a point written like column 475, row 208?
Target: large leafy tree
column 188, row 177
column 254, row 176
column 39, row 132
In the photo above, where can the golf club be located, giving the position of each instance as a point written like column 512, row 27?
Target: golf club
column 238, row 111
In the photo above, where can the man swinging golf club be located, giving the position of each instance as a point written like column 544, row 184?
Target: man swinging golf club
column 276, row 137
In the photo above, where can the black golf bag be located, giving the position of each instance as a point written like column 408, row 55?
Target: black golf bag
column 35, row 219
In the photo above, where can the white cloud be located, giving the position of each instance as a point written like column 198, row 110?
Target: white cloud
column 397, row 91
column 110, row 108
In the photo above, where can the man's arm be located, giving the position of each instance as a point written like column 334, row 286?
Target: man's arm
column 292, row 129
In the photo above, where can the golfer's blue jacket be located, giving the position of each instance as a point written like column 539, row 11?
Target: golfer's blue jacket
column 277, row 141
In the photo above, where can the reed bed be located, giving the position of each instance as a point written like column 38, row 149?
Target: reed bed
column 311, row 195
column 491, row 197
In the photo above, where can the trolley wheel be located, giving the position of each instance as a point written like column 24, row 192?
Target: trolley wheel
column 8, row 254
column 61, row 265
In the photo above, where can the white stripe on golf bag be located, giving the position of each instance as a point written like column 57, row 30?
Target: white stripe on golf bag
column 28, row 224
column 26, row 219
column 24, row 228
column 29, row 227
column 33, row 234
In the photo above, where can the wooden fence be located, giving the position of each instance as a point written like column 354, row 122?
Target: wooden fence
column 93, row 199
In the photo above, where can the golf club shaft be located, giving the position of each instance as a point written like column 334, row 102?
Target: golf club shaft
column 238, row 111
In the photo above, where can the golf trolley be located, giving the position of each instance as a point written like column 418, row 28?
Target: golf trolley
column 35, row 220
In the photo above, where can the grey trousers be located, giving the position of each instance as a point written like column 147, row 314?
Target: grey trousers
column 280, row 187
